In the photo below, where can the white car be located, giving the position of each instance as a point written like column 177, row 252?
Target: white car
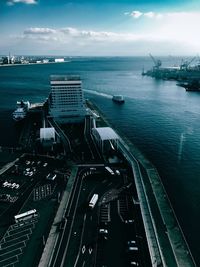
column 5, row 184
column 13, row 185
column 129, row 221
column 134, row 263
column 103, row 231
column 117, row 172
column 131, row 242
column 133, row 248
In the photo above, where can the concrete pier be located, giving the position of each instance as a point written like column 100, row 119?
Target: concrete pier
column 166, row 241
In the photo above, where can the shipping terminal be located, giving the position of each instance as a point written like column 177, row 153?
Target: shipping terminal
column 78, row 193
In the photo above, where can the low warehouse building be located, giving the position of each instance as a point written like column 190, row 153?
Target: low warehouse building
column 106, row 138
column 47, row 136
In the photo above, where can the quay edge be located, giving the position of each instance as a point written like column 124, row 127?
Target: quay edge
column 166, row 241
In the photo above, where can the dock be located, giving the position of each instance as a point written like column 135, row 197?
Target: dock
column 166, row 240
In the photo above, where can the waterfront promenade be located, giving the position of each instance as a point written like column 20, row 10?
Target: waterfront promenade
column 167, row 243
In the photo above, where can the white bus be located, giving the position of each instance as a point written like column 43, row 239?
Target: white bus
column 93, row 201
column 109, row 170
column 26, row 215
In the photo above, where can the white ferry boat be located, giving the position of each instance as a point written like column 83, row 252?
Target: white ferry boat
column 118, row 99
column 21, row 110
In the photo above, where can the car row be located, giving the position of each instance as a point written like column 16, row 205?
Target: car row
column 28, row 162
column 10, row 185
column 133, row 250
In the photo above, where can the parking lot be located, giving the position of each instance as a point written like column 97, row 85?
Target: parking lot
column 14, row 242
column 43, row 191
column 23, row 187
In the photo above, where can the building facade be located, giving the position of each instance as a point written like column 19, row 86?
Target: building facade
column 66, row 100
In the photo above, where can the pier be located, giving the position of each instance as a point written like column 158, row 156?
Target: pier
column 166, row 241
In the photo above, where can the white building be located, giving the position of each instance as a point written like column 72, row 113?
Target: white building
column 66, row 101
column 59, row 60
column 47, row 134
column 105, row 137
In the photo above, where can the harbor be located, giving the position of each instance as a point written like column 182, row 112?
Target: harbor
column 187, row 76
column 87, row 156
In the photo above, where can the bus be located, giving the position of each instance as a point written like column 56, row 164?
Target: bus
column 26, row 215
column 93, row 201
column 109, row 170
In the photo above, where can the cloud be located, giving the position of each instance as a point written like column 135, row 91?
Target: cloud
column 73, row 32
column 39, row 31
column 136, row 14
column 28, row 2
column 174, row 34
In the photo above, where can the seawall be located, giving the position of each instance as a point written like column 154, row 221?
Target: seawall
column 166, row 241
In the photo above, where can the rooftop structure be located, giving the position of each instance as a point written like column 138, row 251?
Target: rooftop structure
column 66, row 101
column 47, row 136
column 103, row 134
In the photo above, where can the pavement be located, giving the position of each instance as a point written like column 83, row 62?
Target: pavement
column 8, row 166
column 54, row 233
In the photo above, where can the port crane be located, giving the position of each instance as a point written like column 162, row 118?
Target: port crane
column 185, row 63
column 157, row 62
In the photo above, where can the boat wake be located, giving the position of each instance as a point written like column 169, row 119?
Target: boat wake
column 93, row 92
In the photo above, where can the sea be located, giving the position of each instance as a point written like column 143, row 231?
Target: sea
column 159, row 117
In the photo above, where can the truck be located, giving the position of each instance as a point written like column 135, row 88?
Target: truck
column 93, row 201
column 109, row 170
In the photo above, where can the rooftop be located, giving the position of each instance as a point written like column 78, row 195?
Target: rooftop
column 65, row 78
column 106, row 133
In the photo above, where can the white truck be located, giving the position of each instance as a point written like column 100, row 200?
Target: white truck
column 93, row 201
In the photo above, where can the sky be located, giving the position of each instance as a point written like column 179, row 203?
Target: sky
column 100, row 27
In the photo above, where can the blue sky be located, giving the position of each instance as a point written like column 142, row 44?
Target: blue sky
column 100, row 27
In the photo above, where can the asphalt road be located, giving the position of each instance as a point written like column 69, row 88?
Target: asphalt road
column 80, row 243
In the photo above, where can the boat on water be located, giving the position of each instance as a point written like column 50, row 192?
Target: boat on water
column 118, row 99
column 21, row 111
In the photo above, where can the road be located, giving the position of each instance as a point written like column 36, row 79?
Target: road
column 80, row 243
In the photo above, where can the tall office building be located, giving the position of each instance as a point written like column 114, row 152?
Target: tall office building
column 66, row 101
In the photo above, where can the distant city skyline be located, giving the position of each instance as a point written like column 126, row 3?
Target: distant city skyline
column 99, row 28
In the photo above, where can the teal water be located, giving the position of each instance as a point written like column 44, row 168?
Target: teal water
column 161, row 119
